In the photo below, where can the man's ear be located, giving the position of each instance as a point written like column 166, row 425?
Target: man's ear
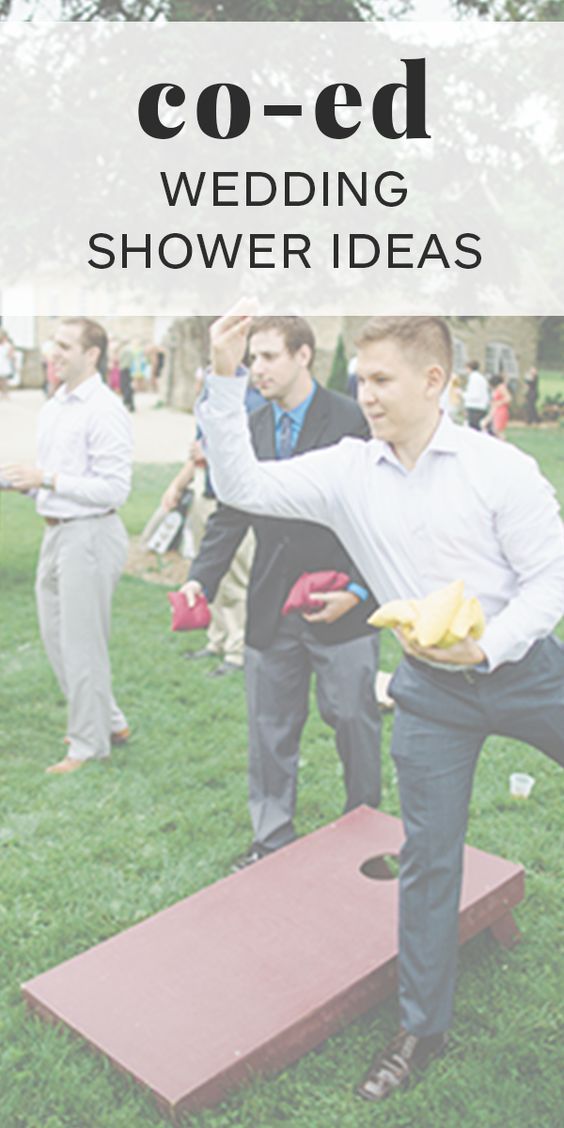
column 436, row 379
column 94, row 354
column 304, row 355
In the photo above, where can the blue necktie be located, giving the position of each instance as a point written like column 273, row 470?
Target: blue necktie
column 285, row 436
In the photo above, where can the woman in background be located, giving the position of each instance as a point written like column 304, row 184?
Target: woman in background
column 6, row 362
column 498, row 416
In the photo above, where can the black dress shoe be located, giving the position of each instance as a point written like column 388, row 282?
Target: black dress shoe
column 224, row 670
column 406, row 1056
column 195, row 655
column 254, row 854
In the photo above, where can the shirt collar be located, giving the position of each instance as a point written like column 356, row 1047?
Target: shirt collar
column 82, row 391
column 445, row 440
column 297, row 414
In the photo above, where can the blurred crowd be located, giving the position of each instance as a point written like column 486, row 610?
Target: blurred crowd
column 131, row 367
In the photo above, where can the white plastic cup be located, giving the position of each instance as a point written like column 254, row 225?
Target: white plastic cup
column 520, row 785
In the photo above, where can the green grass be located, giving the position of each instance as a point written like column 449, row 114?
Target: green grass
column 551, row 383
column 83, row 857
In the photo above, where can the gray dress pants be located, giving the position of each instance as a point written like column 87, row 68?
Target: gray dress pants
column 442, row 720
column 79, row 566
column 278, row 681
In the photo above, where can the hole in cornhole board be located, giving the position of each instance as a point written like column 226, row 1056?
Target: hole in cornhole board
column 382, row 867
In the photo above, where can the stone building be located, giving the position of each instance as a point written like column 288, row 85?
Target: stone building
column 501, row 344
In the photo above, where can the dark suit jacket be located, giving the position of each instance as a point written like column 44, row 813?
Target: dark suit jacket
column 286, row 549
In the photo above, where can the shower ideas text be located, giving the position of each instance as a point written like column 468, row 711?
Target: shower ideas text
column 268, row 251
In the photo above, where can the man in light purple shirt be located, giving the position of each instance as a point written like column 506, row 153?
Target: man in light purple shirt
column 83, row 475
column 424, row 503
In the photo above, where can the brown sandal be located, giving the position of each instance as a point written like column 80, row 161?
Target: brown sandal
column 394, row 1068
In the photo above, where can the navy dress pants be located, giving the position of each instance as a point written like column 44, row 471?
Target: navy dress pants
column 442, row 720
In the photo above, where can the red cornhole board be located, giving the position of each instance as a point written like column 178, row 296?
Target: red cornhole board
column 249, row 974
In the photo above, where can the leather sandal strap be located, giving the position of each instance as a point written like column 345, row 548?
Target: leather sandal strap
column 385, row 1075
column 391, row 1069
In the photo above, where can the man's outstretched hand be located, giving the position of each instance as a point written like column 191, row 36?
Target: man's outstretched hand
column 228, row 336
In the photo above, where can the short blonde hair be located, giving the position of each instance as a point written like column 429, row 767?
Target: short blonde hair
column 426, row 338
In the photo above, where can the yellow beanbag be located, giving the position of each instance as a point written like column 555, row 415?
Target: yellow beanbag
column 441, row 619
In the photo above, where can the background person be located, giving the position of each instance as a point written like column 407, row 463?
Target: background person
column 125, row 375
column 140, row 370
column 531, row 396
column 226, row 633
column 6, row 363
column 83, row 476
column 476, row 395
column 113, row 377
column 452, row 399
column 498, row 416
column 156, row 356
column 283, row 652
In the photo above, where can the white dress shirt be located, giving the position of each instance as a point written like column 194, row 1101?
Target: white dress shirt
column 5, row 359
column 85, row 438
column 472, row 508
column 477, row 392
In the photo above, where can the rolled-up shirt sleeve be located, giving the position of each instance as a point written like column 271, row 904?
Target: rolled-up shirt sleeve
column 531, row 534
column 298, row 487
column 107, row 481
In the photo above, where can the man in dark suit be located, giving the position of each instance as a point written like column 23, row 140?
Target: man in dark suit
column 283, row 651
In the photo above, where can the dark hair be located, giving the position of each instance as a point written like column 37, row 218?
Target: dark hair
column 92, row 336
column 495, row 381
column 474, row 365
column 426, row 337
column 295, row 332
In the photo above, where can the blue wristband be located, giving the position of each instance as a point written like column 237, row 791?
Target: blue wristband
column 359, row 591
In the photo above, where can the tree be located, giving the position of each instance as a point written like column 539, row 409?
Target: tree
column 338, row 374
column 273, row 10
column 85, row 11
column 269, row 10
column 551, row 342
column 80, row 10
column 213, row 10
column 518, row 10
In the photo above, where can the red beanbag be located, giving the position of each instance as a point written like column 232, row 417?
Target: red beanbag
column 185, row 618
column 299, row 598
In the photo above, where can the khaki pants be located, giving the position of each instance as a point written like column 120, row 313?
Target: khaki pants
column 226, row 633
column 79, row 566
